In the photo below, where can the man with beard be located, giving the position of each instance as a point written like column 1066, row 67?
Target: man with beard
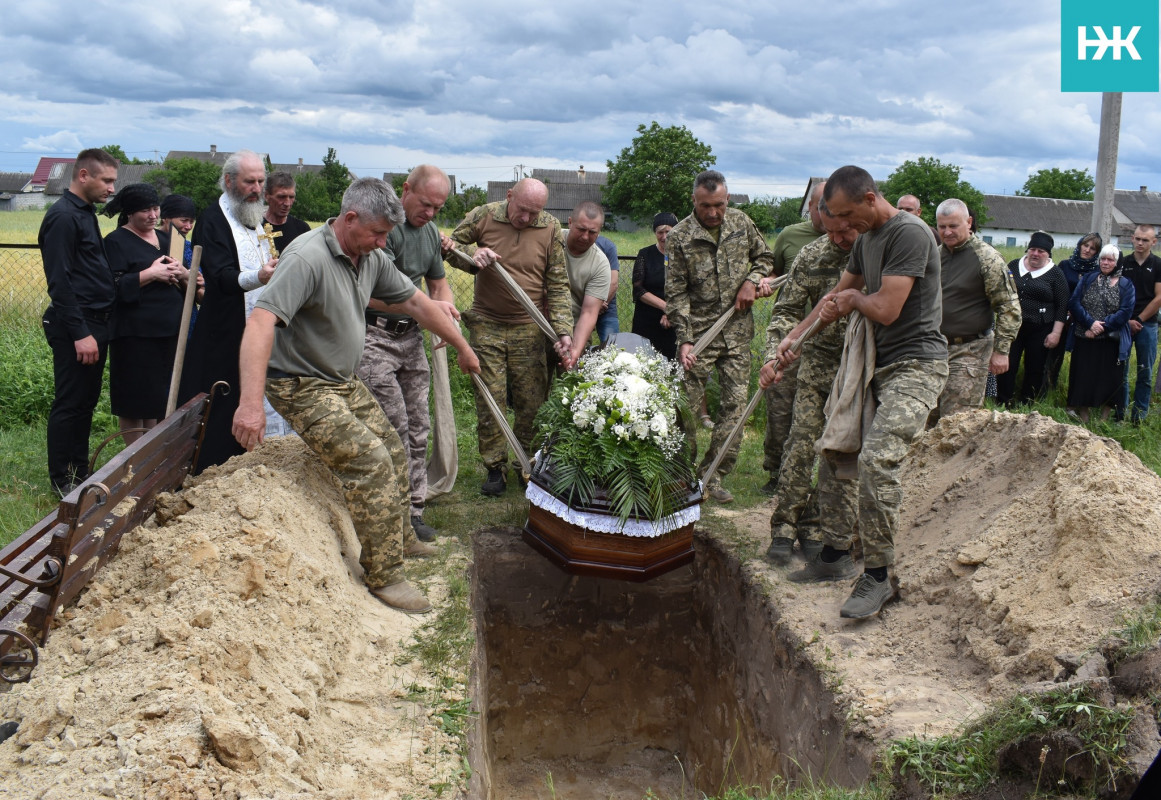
column 235, row 260
column 280, row 196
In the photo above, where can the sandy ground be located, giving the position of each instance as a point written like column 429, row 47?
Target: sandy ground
column 1019, row 539
column 233, row 652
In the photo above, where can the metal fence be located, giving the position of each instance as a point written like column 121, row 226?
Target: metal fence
column 23, row 292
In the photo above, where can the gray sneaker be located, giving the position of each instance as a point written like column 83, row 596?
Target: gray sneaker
column 780, row 550
column 817, row 570
column 867, row 598
column 810, row 548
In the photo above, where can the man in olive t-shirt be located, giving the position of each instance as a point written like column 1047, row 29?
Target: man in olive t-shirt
column 896, row 260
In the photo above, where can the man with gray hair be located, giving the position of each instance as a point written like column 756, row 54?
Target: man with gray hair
column 308, row 326
column 717, row 258
column 977, row 287
column 236, row 259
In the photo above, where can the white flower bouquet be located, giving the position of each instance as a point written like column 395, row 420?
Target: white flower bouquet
column 609, row 435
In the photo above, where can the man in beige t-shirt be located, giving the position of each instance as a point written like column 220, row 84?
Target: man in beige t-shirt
column 589, row 274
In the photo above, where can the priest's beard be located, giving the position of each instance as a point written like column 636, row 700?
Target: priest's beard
column 248, row 213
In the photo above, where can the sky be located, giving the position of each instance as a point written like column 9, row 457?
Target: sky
column 780, row 90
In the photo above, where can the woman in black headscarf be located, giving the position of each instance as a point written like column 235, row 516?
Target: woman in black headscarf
column 150, row 289
column 1082, row 261
column 1101, row 306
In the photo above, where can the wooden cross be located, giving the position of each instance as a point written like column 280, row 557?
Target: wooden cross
column 269, row 236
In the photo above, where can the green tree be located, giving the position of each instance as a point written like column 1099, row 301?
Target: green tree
column 312, row 203
column 655, row 173
column 117, row 152
column 335, row 175
column 932, row 182
column 1064, row 184
column 195, row 179
column 458, row 205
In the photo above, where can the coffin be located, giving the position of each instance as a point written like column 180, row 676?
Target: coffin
column 591, row 541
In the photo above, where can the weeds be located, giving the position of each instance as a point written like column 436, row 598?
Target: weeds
column 967, row 762
column 1140, row 630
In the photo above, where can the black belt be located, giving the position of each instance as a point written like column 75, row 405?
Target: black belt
column 393, row 327
column 975, row 337
column 97, row 316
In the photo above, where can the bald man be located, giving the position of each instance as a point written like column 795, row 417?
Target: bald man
column 910, row 203
column 528, row 242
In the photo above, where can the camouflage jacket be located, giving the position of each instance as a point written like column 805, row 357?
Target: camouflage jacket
column 814, row 272
column 704, row 276
column 534, row 256
column 977, row 286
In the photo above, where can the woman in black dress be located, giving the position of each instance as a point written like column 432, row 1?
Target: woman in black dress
column 649, row 319
column 1101, row 307
column 150, row 289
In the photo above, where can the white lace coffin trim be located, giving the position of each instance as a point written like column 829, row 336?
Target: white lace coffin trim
column 608, row 523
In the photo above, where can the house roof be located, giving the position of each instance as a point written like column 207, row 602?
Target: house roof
column 579, row 176
column 126, row 174
column 213, row 155
column 297, row 169
column 14, row 181
column 1011, row 212
column 47, row 168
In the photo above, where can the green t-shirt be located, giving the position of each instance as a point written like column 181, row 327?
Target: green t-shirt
column 416, row 254
column 904, row 246
column 319, row 298
column 588, row 275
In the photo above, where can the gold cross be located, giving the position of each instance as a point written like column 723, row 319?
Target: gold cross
column 269, row 236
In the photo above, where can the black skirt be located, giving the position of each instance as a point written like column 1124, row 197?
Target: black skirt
column 139, row 371
column 1094, row 374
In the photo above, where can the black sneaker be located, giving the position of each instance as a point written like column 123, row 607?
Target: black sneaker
column 867, row 598
column 423, row 531
column 817, row 570
column 810, row 548
column 494, row 485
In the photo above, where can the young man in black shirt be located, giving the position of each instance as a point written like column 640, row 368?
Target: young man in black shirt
column 76, row 324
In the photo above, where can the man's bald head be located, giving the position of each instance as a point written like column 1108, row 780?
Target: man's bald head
column 426, row 174
column 525, row 202
column 909, row 203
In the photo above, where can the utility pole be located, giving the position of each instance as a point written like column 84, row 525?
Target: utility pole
column 1106, row 168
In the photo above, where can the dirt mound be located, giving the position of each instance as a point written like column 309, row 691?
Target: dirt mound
column 1019, row 539
column 232, row 652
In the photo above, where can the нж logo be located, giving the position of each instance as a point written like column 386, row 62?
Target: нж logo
column 1103, row 43
column 1115, row 48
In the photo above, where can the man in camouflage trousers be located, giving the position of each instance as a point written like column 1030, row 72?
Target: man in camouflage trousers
column 977, row 287
column 815, row 272
column 717, row 257
column 896, row 260
column 302, row 344
column 394, row 365
column 780, row 396
column 528, row 242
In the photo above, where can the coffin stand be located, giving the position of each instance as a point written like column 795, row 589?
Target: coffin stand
column 579, row 550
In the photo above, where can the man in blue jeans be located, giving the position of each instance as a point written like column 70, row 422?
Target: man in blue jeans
column 607, row 322
column 1144, row 270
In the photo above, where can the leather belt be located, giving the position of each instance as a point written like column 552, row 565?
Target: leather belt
column 97, row 316
column 393, row 327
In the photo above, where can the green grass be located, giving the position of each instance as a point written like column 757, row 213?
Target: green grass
column 1140, row 630
column 966, row 762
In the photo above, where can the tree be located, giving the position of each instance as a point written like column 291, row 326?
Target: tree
column 1064, row 184
column 195, row 179
column 311, row 201
column 932, row 182
column 335, row 175
column 458, row 205
column 117, row 152
column 655, row 173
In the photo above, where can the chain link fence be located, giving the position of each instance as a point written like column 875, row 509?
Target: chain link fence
column 23, row 293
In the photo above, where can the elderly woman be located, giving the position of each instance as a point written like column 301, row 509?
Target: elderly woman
column 1043, row 292
column 649, row 319
column 1100, row 307
column 148, row 312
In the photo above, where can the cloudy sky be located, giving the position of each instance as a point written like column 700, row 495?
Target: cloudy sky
column 780, row 90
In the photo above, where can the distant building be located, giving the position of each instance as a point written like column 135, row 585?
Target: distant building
column 12, row 194
column 1012, row 220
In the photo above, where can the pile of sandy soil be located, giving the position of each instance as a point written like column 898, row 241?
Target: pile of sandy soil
column 1020, row 539
column 232, row 652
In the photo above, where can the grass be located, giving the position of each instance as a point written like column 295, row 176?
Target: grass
column 966, row 762
column 1140, row 631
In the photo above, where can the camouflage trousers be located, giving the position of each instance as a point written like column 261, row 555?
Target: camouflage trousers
column 779, row 413
column 797, row 513
column 733, row 365
column 511, row 357
column 967, row 376
column 344, row 426
column 396, row 371
column 905, row 391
